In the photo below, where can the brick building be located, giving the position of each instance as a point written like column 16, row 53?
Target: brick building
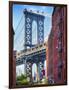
column 57, row 43
column 46, row 59
column 12, row 61
column 14, row 69
column 50, row 56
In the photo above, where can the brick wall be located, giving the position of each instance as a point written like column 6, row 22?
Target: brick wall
column 57, row 46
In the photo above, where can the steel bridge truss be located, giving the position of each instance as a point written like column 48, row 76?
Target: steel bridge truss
column 28, row 60
column 29, row 18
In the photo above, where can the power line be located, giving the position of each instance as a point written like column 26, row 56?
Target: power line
column 19, row 34
column 19, row 45
column 18, row 23
column 17, row 39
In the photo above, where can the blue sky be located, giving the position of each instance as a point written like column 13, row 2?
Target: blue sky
column 19, row 15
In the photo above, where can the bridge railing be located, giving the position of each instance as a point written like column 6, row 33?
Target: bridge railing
column 37, row 48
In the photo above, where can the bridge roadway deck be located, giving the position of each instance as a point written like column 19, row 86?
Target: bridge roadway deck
column 38, row 50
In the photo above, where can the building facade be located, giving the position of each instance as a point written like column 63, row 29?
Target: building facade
column 14, row 69
column 57, row 44
column 50, row 57
column 12, row 61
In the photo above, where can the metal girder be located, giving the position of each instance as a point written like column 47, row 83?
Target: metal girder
column 36, row 55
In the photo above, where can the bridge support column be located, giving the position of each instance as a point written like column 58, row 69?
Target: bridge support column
column 40, row 68
column 29, row 71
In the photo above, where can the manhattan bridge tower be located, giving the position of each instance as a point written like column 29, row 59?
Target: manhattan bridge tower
column 37, row 56
column 30, row 16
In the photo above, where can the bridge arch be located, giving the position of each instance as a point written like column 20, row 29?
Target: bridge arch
column 45, row 67
column 29, row 18
column 34, row 72
column 34, row 34
column 20, row 70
